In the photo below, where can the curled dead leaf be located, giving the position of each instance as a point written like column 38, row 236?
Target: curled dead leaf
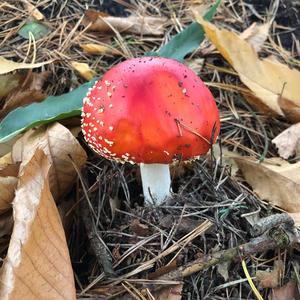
column 38, row 246
column 271, row 279
column 60, row 146
column 103, row 23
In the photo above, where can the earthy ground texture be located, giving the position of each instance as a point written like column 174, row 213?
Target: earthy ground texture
column 122, row 249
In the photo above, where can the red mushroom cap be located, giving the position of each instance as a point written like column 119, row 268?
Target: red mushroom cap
column 150, row 110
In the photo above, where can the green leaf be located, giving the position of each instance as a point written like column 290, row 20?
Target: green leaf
column 187, row 40
column 38, row 30
column 52, row 109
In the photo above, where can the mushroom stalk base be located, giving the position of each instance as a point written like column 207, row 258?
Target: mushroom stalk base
column 156, row 181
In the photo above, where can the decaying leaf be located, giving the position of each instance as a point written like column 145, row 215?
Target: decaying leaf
column 37, row 265
column 271, row 279
column 29, row 90
column 285, row 292
column 7, row 66
column 100, row 49
column 274, row 180
column 288, row 142
column 147, row 25
column 83, row 69
column 8, row 82
column 60, row 146
column 274, row 85
column 8, row 183
column 169, row 293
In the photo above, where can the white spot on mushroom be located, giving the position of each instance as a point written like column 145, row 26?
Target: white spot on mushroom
column 184, row 91
column 95, row 128
column 111, row 128
column 88, row 115
column 110, row 105
column 102, row 123
column 83, row 114
column 109, row 94
column 107, row 83
column 166, row 152
column 101, row 109
column 99, row 87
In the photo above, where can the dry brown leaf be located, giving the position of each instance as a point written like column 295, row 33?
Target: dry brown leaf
column 288, row 142
column 8, row 184
column 273, row 278
column 274, row 180
column 37, row 265
column 29, row 90
column 9, row 82
column 273, row 84
column 285, row 292
column 7, row 66
column 256, row 35
column 60, row 146
column 83, row 69
column 146, row 25
column 100, row 49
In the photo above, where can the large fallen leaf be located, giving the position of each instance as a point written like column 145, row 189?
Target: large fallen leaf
column 37, row 265
column 9, row 65
column 286, row 292
column 103, row 23
column 274, row 85
column 34, row 28
column 274, row 180
column 60, row 146
column 51, row 109
column 288, row 141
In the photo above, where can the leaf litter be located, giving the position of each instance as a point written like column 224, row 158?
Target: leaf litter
column 208, row 189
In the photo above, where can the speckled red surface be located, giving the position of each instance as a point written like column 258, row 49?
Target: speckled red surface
column 150, row 110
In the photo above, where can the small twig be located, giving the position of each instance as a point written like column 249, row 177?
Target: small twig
column 97, row 244
column 265, row 224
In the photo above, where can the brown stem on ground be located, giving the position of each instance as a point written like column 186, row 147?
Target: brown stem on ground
column 96, row 242
column 277, row 238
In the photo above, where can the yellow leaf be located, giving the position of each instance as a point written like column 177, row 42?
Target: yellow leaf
column 60, row 146
column 99, row 49
column 274, row 180
column 37, row 265
column 9, row 65
column 83, row 69
column 273, row 84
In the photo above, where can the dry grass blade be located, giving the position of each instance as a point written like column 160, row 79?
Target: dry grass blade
column 38, row 246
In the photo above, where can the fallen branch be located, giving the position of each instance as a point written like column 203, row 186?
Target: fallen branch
column 274, row 239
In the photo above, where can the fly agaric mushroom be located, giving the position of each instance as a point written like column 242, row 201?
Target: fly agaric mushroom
column 151, row 111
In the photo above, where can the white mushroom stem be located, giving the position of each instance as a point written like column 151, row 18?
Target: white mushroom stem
column 156, row 181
